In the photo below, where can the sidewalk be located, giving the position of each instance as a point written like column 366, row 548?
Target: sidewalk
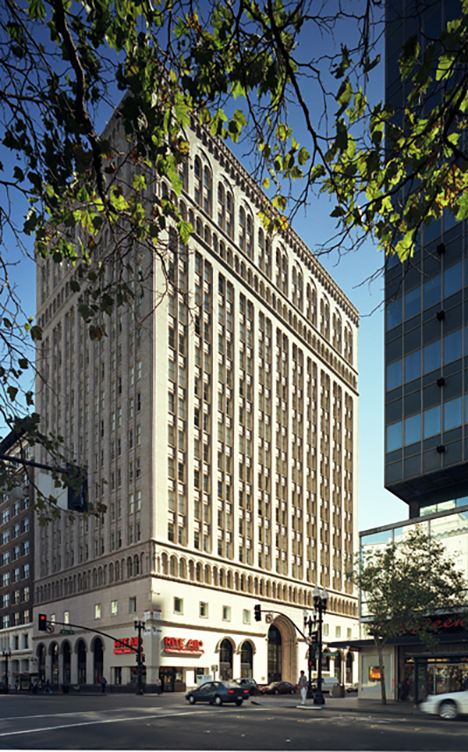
column 344, row 705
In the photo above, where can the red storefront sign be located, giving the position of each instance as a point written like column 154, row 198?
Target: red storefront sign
column 126, row 644
column 181, row 646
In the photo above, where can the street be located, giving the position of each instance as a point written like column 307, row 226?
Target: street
column 128, row 722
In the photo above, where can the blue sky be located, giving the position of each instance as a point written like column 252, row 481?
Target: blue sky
column 376, row 505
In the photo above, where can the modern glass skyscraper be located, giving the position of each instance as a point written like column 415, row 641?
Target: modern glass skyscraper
column 426, row 347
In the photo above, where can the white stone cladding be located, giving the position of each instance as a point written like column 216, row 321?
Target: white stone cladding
column 226, row 432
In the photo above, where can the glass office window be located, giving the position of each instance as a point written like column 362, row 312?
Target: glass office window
column 394, row 313
column 394, row 375
column 394, row 437
column 452, row 279
column 413, row 366
column 432, row 421
column 453, row 346
column 413, row 429
column 452, row 414
column 432, row 291
column 432, row 357
column 412, row 303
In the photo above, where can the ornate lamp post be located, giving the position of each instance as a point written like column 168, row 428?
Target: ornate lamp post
column 310, row 623
column 139, row 626
column 320, row 605
column 6, row 655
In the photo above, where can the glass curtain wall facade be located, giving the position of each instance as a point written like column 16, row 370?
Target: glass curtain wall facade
column 426, row 339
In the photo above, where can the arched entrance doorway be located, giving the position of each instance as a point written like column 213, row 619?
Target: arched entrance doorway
column 66, row 663
column 225, row 660
column 54, row 654
column 246, row 660
column 98, row 660
column 81, row 656
column 275, row 654
column 41, row 662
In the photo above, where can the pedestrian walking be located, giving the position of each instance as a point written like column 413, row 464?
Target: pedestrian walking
column 303, row 687
column 158, row 686
column 47, row 688
column 103, row 685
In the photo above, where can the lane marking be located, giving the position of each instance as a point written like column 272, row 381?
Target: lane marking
column 97, row 722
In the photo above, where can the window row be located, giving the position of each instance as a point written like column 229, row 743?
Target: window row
column 431, row 357
column 430, row 422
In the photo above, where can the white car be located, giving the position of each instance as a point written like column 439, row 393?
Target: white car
column 447, row 705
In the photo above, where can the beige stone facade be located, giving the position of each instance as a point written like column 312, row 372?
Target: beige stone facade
column 223, row 418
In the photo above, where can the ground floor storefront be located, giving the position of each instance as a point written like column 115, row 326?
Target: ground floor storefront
column 412, row 671
column 182, row 656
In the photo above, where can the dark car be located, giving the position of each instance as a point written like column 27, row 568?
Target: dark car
column 248, row 683
column 280, row 688
column 218, row 692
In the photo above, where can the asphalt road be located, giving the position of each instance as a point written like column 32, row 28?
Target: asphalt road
column 168, row 722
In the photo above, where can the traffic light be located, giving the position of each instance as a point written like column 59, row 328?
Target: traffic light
column 258, row 612
column 77, row 492
column 42, row 625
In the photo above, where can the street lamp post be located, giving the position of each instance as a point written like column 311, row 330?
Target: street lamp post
column 139, row 626
column 309, row 623
column 320, row 605
column 6, row 655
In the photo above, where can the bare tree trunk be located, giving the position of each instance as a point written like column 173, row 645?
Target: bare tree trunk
column 380, row 645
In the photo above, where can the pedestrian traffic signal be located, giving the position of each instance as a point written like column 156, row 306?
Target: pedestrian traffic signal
column 258, row 612
column 314, row 636
column 42, row 625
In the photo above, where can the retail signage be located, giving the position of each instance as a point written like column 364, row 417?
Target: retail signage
column 181, row 646
column 126, row 645
column 445, row 623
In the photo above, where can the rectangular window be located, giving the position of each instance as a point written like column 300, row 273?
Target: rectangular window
column 412, row 303
column 114, row 608
column 132, row 605
column 97, row 611
column 394, row 375
column 394, row 437
column 452, row 414
column 203, row 610
column 432, row 421
column 247, row 616
column 452, row 279
column 432, row 292
column 412, row 429
column 452, row 346
column 413, row 366
column 394, row 311
column 226, row 613
column 431, row 357
column 178, row 605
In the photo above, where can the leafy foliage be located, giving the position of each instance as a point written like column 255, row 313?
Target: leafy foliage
column 388, row 172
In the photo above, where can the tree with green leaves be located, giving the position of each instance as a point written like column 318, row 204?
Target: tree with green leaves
column 245, row 70
column 402, row 585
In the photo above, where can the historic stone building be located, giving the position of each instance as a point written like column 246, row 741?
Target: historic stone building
column 223, row 418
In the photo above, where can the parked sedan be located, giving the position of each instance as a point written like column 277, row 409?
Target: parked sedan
column 447, row 705
column 218, row 692
column 248, row 683
column 280, row 688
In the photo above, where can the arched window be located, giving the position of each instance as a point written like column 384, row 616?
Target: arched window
column 221, row 206
column 337, row 332
column 197, row 182
column 136, row 565
column 325, row 318
column 242, row 228
column 311, row 311
column 249, row 248
column 198, row 571
column 129, row 566
column 182, row 569
column 117, row 570
column 230, row 215
column 111, row 573
column 173, row 566
column 207, row 574
column 207, row 190
column 246, row 660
